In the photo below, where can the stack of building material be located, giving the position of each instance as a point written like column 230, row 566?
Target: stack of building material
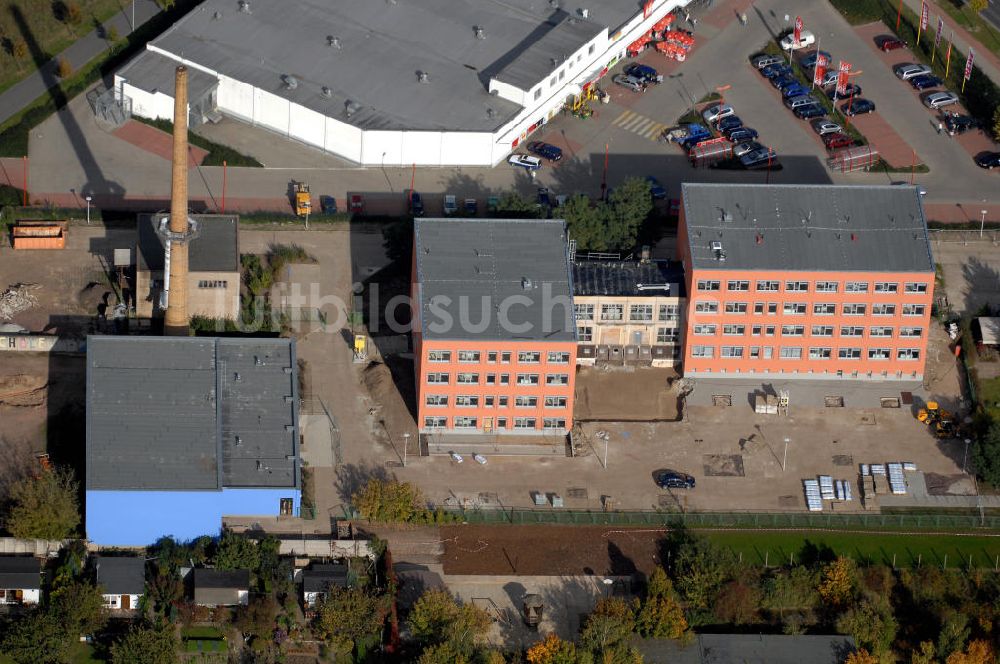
column 826, row 487
column 897, row 483
column 814, row 500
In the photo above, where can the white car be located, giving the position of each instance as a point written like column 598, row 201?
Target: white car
column 716, row 112
column 823, row 127
column 908, row 71
column 940, row 99
column 525, row 161
column 806, row 38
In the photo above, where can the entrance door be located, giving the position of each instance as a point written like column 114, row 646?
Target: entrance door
column 488, row 424
column 126, row 602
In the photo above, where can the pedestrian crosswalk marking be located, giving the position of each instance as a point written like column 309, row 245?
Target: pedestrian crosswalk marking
column 639, row 124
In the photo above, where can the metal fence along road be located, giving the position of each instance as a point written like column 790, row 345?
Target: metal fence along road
column 963, row 236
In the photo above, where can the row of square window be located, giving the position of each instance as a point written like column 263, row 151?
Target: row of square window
column 215, row 283
column 664, row 335
column 771, row 286
column 489, row 401
column 562, row 72
column 441, row 422
column 710, row 329
column 523, row 357
column 443, row 378
column 640, row 313
column 801, row 308
column 795, row 353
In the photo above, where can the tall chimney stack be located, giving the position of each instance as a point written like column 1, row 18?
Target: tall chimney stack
column 176, row 284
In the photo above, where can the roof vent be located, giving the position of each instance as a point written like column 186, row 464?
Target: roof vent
column 526, row 283
column 490, row 113
column 258, row 361
column 216, row 16
column 333, row 42
column 326, row 92
column 245, row 6
column 584, row 12
column 239, row 441
column 290, row 81
column 554, row 4
column 720, row 254
column 480, row 31
column 844, row 219
column 423, row 77
column 236, row 376
column 351, row 107
column 725, row 215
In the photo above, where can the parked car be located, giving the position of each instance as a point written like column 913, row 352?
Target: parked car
column 656, row 190
column 716, row 112
column 526, row 162
column 729, row 122
column 758, row 157
column 959, row 124
column 746, row 147
column 809, row 111
column 672, row 479
column 414, row 203
column 696, row 133
column 545, row 150
column 829, row 78
column 940, row 99
column 857, row 106
column 794, row 91
column 450, row 205
column 471, row 207
column 908, row 70
column 800, row 100
column 889, row 43
column 925, row 81
column 838, row 140
column 644, row 73
column 809, row 61
column 762, row 60
column 544, row 200
column 776, row 70
column 824, row 127
column 631, row 82
column 741, row 134
column 328, row 204
column 356, row 204
column 850, row 90
column 988, row 160
column 806, row 38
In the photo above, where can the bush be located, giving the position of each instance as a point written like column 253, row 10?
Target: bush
column 64, row 69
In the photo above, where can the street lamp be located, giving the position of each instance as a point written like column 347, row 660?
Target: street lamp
column 88, row 199
column 406, row 441
column 607, row 584
column 982, row 222
column 966, row 457
column 784, row 457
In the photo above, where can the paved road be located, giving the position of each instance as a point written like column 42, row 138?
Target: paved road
column 71, row 155
column 987, row 62
column 992, row 13
column 80, row 53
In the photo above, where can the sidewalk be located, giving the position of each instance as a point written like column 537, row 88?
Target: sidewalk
column 82, row 51
column 985, row 59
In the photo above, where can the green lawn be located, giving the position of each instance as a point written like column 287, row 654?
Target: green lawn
column 201, row 632
column 80, row 653
column 987, row 35
column 989, row 396
column 909, row 550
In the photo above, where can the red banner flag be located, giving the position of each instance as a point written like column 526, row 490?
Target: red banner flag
column 842, row 77
column 798, row 30
column 924, row 15
column 821, row 63
column 968, row 65
column 940, row 29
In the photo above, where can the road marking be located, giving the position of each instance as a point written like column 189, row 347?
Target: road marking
column 639, row 124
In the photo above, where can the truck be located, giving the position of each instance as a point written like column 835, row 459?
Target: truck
column 303, row 201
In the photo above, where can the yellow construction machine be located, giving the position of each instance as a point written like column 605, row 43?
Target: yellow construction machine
column 303, row 201
column 942, row 422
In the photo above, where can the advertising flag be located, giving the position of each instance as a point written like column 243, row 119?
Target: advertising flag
column 937, row 37
column 845, row 71
column 947, row 60
column 798, row 30
column 968, row 69
column 821, row 63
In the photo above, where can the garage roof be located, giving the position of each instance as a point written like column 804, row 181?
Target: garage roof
column 379, row 48
column 806, row 227
column 215, row 249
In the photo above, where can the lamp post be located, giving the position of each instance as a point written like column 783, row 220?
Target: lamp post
column 784, row 457
column 89, row 198
column 406, row 442
column 982, row 222
column 607, row 584
column 721, row 89
column 966, row 457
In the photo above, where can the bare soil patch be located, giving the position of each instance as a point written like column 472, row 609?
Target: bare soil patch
column 626, row 394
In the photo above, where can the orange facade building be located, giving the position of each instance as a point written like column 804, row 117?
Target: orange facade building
column 493, row 331
column 805, row 281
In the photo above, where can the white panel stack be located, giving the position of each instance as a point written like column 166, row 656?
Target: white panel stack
column 909, row 466
column 878, row 469
column 847, row 491
column 897, row 483
column 813, row 500
column 826, row 487
column 838, row 487
column 865, row 470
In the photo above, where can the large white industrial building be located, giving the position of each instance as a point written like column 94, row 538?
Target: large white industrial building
column 388, row 82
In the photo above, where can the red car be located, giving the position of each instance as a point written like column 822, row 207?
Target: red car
column 837, row 140
column 887, row 43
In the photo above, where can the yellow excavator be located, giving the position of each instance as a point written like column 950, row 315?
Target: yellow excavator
column 303, row 201
column 942, row 422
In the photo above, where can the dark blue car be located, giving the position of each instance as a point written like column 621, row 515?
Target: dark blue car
column 740, row 134
column 730, row 122
column 809, row 112
column 794, row 91
column 774, row 71
column 786, row 82
column 644, row 72
column 850, row 90
column 925, row 81
column 810, row 60
column 656, row 189
column 857, row 107
column 545, row 150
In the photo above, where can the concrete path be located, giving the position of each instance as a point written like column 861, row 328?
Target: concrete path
column 82, row 51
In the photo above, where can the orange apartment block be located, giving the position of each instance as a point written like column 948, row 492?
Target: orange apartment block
column 805, row 281
column 493, row 331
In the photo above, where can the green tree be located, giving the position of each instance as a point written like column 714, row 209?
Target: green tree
column 514, row 206
column 996, row 120
column 442, row 653
column 113, row 35
column 149, row 645
column 986, row 455
column 954, row 633
column 794, row 591
column 609, row 624
column 256, row 621
column 661, row 615
column 349, row 616
column 44, row 507
column 700, row 569
column 553, row 650
column 37, row 638
column 612, row 225
column 978, row 5
column 237, row 552
column 838, row 582
column 926, row 654
column 437, row 618
column 736, row 603
column 387, row 501
column 78, row 607
column 64, row 68
column 872, row 624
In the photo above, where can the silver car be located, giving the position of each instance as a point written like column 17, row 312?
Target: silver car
column 823, row 127
column 631, row 82
column 908, row 71
column 745, row 147
column 940, row 99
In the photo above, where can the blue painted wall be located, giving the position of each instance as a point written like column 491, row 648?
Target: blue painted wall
column 138, row 518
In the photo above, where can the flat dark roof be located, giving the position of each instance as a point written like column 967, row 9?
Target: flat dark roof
column 825, row 228
column 216, row 249
column 628, row 278
column 121, row 575
column 552, row 42
column 191, row 413
column 236, row 579
column 482, row 270
column 20, row 572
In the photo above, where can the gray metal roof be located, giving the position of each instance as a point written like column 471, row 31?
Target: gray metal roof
column 381, row 46
column 20, row 573
column 215, row 249
column 807, row 227
column 472, row 269
column 121, row 575
column 237, row 579
column 164, row 413
column 552, row 42
column 318, row 578
column 625, row 277
column 748, row 649
column 153, row 72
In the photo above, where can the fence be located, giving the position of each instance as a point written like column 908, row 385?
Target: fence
column 789, row 520
column 963, row 236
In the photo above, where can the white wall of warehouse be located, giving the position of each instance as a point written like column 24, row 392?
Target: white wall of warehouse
column 154, row 105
